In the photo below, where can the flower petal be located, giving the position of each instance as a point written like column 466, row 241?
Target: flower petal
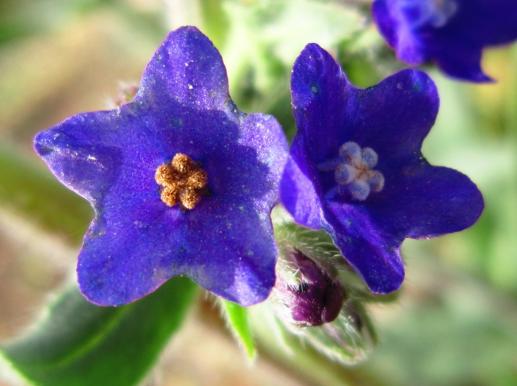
column 234, row 251
column 461, row 61
column 420, row 200
column 227, row 248
column 457, row 44
column 87, row 151
column 187, row 68
column 264, row 136
column 373, row 254
column 329, row 111
column 394, row 116
column 385, row 21
column 299, row 188
column 408, row 45
column 485, row 22
column 96, row 154
column 319, row 98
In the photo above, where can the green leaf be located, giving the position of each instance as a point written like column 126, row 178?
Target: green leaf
column 238, row 322
column 79, row 344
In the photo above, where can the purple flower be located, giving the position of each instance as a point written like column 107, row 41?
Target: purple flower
column 356, row 169
column 452, row 33
column 182, row 183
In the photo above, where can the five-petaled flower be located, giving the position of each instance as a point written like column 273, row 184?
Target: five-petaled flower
column 182, row 183
column 356, row 169
column 452, row 33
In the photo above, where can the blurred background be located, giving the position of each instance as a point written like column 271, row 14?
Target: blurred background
column 455, row 322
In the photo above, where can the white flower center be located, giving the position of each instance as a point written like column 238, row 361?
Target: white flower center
column 354, row 171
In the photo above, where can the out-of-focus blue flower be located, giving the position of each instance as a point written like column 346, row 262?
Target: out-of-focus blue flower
column 452, row 33
column 356, row 169
column 182, row 183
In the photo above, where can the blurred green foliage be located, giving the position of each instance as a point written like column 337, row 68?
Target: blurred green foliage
column 26, row 188
column 455, row 322
column 237, row 318
column 79, row 344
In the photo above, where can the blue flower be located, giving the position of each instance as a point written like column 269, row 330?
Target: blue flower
column 181, row 182
column 356, row 169
column 452, row 33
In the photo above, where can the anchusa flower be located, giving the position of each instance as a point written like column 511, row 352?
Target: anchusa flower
column 356, row 168
column 452, row 33
column 182, row 183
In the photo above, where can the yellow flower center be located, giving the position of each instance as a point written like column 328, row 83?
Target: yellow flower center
column 183, row 182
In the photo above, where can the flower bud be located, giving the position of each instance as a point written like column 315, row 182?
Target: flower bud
column 317, row 297
column 308, row 294
column 349, row 339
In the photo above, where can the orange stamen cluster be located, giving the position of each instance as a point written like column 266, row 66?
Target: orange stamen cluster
column 183, row 182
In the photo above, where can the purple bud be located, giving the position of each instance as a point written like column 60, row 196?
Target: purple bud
column 310, row 295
